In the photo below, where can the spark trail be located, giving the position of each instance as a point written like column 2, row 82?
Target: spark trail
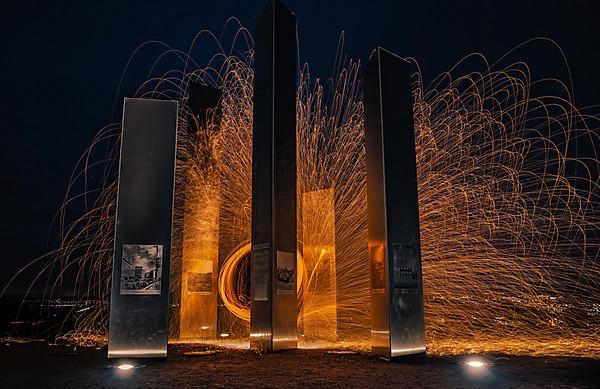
column 508, row 208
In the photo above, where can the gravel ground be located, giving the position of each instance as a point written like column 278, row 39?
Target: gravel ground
column 37, row 365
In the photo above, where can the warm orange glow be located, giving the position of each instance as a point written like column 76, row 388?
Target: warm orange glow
column 508, row 212
column 229, row 286
column 318, row 317
column 200, row 236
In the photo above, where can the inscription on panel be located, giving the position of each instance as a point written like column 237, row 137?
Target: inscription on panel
column 200, row 282
column 405, row 266
column 260, row 275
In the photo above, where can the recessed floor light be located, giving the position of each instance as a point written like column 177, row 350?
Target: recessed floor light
column 125, row 366
column 475, row 363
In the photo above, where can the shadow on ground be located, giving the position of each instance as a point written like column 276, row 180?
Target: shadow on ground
column 37, row 365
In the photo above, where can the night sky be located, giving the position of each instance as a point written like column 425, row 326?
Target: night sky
column 61, row 63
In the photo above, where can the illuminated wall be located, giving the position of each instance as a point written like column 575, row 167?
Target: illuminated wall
column 198, row 312
column 319, row 317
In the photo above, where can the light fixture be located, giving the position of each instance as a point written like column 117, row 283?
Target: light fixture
column 125, row 366
column 475, row 363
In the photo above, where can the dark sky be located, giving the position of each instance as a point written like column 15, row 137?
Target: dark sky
column 61, row 63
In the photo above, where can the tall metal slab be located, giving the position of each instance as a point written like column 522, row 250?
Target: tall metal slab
column 273, row 271
column 394, row 244
column 319, row 322
column 200, row 235
column 142, row 254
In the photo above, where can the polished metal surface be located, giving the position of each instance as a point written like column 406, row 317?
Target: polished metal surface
column 318, row 253
column 200, row 224
column 394, row 243
column 274, row 314
column 142, row 253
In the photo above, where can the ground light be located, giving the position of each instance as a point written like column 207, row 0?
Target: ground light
column 477, row 366
column 475, row 363
column 125, row 366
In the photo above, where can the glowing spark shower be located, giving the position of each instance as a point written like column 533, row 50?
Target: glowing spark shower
column 508, row 208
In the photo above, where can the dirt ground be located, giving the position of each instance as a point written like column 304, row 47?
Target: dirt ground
column 37, row 365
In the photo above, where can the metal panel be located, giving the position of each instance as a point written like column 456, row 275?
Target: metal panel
column 274, row 305
column 140, row 287
column 200, row 232
column 318, row 252
column 394, row 244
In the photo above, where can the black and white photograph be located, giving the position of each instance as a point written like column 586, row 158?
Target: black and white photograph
column 286, row 273
column 141, row 269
